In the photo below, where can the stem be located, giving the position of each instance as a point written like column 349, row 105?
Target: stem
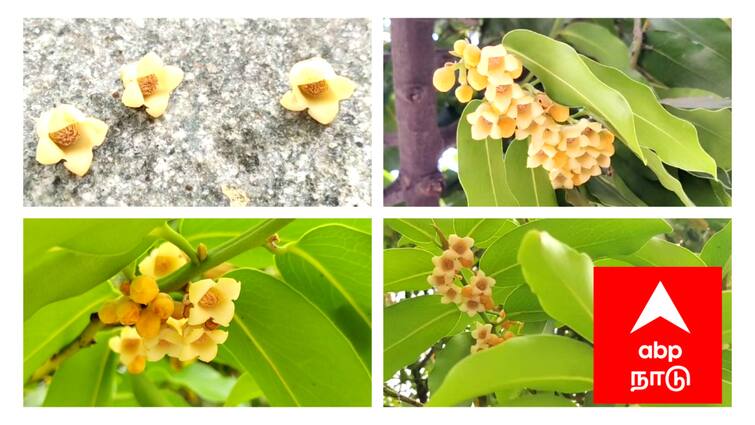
column 638, row 34
column 443, row 241
column 252, row 238
column 84, row 340
column 169, row 234
column 556, row 28
column 579, row 114
column 128, row 271
column 390, row 392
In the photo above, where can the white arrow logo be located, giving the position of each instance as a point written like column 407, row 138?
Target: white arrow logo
column 660, row 305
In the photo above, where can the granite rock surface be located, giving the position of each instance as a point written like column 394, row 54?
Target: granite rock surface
column 224, row 135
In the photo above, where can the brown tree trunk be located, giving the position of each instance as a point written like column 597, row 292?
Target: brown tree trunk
column 419, row 139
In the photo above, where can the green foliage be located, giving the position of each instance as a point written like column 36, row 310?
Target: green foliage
column 529, row 186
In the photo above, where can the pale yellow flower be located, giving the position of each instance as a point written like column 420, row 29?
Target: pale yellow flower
column 198, row 341
column 163, row 261
column 463, row 248
column 149, row 83
column 213, row 300
column 558, row 112
column 131, row 348
column 476, row 80
column 482, row 285
column 66, row 134
column 471, row 305
column 487, row 122
column 446, row 263
column 168, row 342
column 498, row 65
column 482, row 332
column 450, row 294
column 439, row 278
column 502, row 96
column 316, row 88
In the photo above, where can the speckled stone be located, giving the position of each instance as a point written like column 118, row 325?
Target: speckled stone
column 224, row 127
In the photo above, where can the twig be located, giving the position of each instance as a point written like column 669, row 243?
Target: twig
column 390, row 392
column 638, row 35
column 85, row 339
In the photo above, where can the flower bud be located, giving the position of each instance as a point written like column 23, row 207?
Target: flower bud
column 444, row 78
column 162, row 306
column 137, row 365
column 144, row 289
column 108, row 313
column 127, row 311
column 148, row 325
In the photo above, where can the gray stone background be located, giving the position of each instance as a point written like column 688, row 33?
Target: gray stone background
column 224, row 126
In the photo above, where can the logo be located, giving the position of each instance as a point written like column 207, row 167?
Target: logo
column 657, row 335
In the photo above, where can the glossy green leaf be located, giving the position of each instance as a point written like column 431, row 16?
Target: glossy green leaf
column 712, row 33
column 596, row 237
column 85, row 379
column 665, row 178
column 294, row 351
column 660, row 252
column 419, row 230
column 611, row 262
column 726, row 317
column 57, row 324
column 483, row 230
column 598, row 43
column 200, row 378
column 481, row 167
column 714, row 130
column 717, row 250
column 704, row 192
column 674, row 140
column 406, row 269
column 146, row 392
column 539, row 400
column 726, row 378
column 676, row 61
column 522, row 304
column 561, row 277
column 452, row 352
column 540, row 362
column 64, row 258
column 569, row 81
column 413, row 325
column 531, row 187
column 246, row 389
column 332, row 267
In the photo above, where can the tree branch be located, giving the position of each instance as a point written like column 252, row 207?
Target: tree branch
column 390, row 392
column 638, row 35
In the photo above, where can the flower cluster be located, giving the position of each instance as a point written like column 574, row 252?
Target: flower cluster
column 473, row 297
column 489, row 335
column 571, row 151
column 156, row 325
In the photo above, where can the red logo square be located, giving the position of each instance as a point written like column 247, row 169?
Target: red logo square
column 657, row 335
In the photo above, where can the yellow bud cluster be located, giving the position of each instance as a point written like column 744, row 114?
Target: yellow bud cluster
column 570, row 152
column 489, row 335
column 472, row 298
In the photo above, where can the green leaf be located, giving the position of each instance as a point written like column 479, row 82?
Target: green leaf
column 200, row 378
column 539, row 400
column 406, row 269
column 595, row 237
column 660, row 252
column 530, row 186
column 452, row 352
column 598, row 43
column 419, row 230
column 665, row 178
column 704, row 192
column 726, row 317
column 676, row 61
column 57, row 324
column 613, row 191
column 332, row 267
column 717, row 250
column 726, row 378
column 294, row 351
column 246, row 389
column 483, row 230
column 674, row 140
column 540, row 362
column 714, row 129
column 481, row 168
column 413, row 325
column 64, row 258
column 711, row 33
column 522, row 304
column 146, row 392
column 561, row 277
column 85, row 379
column 569, row 81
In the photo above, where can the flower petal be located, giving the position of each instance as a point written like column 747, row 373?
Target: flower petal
column 230, row 288
column 94, row 130
column 221, row 314
column 79, row 159
column 157, row 103
column 132, row 95
column 148, row 64
column 198, row 289
column 323, row 112
column 171, row 78
column 342, row 87
column 292, row 102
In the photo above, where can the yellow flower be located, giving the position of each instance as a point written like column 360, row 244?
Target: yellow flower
column 482, row 332
column 499, row 66
column 450, row 294
column 440, row 279
column 148, row 325
column 163, row 261
column 213, row 300
column 148, row 82
column 459, row 46
column 478, row 346
column 131, row 348
column 502, row 96
column 482, row 285
column 446, row 263
column 471, row 56
column 487, row 122
column 316, row 88
column 463, row 248
column 168, row 342
column 471, row 305
column 525, row 111
column 558, row 112
column 201, row 342
column 66, row 134
column 476, row 80
column 444, row 78
column 143, row 289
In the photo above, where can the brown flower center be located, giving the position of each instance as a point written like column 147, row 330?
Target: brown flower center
column 210, row 325
column 472, row 304
column 314, row 90
column 130, row 344
column 66, row 136
column 147, row 84
column 481, row 284
column 448, row 264
column 210, row 299
column 439, row 279
column 495, row 62
column 460, row 247
column 163, row 264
